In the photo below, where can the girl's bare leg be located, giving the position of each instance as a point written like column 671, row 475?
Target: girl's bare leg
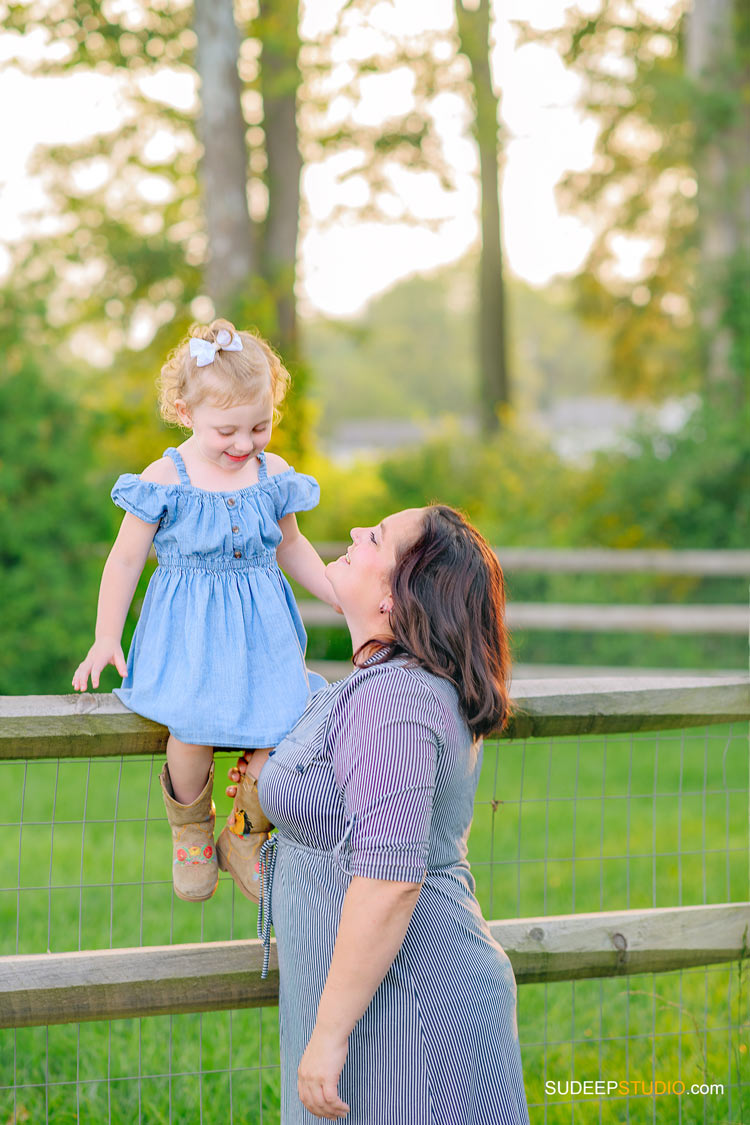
column 188, row 768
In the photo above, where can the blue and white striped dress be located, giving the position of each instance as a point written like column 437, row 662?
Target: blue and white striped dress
column 378, row 779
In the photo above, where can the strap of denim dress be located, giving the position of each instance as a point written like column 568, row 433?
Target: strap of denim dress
column 176, row 456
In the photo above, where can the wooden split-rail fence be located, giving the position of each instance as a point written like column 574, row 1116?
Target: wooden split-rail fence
column 51, row 988
column 721, row 619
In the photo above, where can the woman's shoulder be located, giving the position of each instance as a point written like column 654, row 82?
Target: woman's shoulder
column 401, row 686
column 401, row 668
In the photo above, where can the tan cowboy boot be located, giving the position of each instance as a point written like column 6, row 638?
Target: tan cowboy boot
column 195, row 874
column 238, row 846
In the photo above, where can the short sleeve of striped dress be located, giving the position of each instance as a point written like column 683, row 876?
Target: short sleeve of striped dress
column 384, row 744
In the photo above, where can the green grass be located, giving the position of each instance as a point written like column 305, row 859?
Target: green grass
column 559, row 827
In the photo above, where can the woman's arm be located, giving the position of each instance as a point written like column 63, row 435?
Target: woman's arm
column 385, row 738
column 298, row 558
column 374, row 920
column 122, row 570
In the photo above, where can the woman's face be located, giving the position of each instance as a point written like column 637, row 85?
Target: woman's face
column 361, row 577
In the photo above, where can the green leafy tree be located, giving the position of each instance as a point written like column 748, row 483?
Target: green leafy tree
column 177, row 202
column 639, row 191
column 145, row 225
column 670, row 175
column 718, row 63
column 231, row 251
column 449, row 59
column 474, row 33
column 53, row 507
column 411, row 353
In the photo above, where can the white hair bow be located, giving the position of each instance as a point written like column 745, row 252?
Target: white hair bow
column 204, row 352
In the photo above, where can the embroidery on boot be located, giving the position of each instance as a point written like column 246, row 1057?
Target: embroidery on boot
column 242, row 826
column 194, row 854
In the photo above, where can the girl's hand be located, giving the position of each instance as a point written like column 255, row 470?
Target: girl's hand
column 105, row 651
column 318, row 1076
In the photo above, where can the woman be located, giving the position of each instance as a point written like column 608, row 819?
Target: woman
column 396, row 1005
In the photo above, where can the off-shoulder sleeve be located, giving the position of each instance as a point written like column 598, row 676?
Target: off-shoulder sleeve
column 294, row 492
column 384, row 751
column 144, row 498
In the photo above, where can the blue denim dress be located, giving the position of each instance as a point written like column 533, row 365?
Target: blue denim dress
column 218, row 654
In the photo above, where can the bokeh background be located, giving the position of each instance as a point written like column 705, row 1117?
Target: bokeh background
column 504, row 250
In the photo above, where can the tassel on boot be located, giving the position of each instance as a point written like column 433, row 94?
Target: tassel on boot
column 238, row 846
column 195, row 873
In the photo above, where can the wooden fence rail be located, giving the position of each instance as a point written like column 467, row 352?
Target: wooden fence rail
column 723, row 620
column 115, row 983
column 603, row 560
column 98, row 725
column 50, row 988
column 582, row 560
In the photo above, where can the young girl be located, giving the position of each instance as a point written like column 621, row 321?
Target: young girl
column 218, row 655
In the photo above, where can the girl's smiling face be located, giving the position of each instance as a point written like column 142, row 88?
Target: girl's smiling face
column 228, row 436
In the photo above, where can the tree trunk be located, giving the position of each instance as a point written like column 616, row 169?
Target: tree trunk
column 224, row 165
column 714, row 64
column 474, row 37
column 279, row 83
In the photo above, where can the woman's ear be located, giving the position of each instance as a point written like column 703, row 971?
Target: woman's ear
column 183, row 413
column 386, row 604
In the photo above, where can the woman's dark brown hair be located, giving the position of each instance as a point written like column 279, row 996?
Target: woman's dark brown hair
column 449, row 614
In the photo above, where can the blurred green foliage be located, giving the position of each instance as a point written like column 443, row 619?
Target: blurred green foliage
column 411, row 352
column 67, row 434
column 669, row 178
column 685, row 490
column 639, row 189
column 50, row 516
column 689, row 490
column 70, row 426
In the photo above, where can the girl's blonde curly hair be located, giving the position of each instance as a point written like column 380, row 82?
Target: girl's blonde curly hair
column 232, row 377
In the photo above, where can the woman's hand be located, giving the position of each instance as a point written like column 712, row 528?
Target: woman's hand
column 107, row 650
column 318, row 1076
column 234, row 773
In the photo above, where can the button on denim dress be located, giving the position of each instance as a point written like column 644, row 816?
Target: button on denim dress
column 218, row 655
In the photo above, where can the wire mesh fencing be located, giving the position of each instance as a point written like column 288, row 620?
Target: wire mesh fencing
column 561, row 825
column 87, row 860
column 631, row 821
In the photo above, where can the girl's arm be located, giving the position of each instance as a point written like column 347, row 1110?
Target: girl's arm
column 298, row 558
column 122, row 570
column 374, row 919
